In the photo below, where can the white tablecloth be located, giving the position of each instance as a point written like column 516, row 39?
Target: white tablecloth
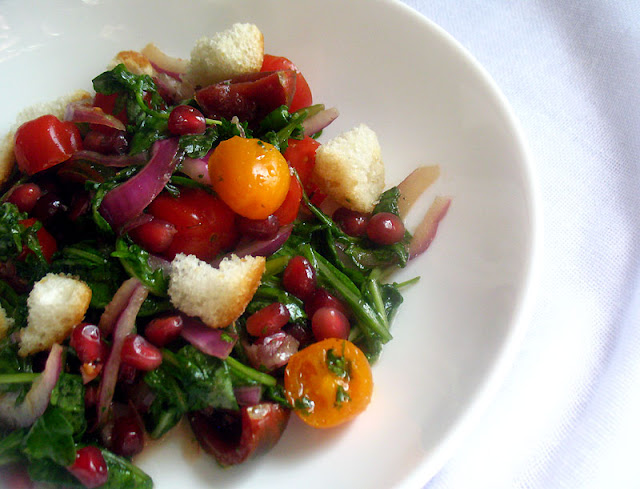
column 568, row 414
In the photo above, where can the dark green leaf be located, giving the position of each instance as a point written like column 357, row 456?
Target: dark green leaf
column 51, row 436
column 68, row 397
column 135, row 261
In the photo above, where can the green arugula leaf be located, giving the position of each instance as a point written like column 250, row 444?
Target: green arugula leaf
column 135, row 261
column 51, row 436
column 68, row 398
column 14, row 235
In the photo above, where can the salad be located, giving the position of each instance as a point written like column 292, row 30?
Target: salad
column 180, row 247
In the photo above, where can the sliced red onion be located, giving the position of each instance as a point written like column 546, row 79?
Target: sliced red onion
column 272, row 352
column 214, row 342
column 137, row 222
column 319, row 121
column 124, row 325
column 82, row 111
column 128, row 200
column 163, row 63
column 37, row 399
column 157, row 262
column 263, row 247
column 248, row 395
column 115, row 161
column 197, row 168
column 117, row 304
column 426, row 230
column 414, row 185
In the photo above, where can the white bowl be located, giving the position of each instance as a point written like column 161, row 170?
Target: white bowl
column 430, row 102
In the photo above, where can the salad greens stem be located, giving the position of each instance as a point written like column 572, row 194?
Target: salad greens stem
column 18, row 378
column 276, row 265
column 373, row 287
column 407, row 283
column 250, row 373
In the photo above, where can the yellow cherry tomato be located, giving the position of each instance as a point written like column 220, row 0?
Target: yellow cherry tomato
column 250, row 176
column 328, row 383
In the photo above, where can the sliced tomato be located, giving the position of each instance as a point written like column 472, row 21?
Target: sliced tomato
column 48, row 244
column 301, row 155
column 108, row 104
column 45, row 142
column 288, row 211
column 205, row 226
column 302, row 96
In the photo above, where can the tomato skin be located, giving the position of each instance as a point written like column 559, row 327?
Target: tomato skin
column 48, row 244
column 321, row 397
column 108, row 104
column 301, row 156
column 45, row 142
column 302, row 96
column 250, row 176
column 288, row 211
column 205, row 225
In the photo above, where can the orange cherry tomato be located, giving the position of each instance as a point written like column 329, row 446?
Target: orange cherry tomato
column 328, row 383
column 250, row 176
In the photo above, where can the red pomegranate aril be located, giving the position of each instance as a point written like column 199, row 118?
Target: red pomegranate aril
column 106, row 142
column 323, row 298
column 299, row 278
column 89, row 467
column 162, row 331
column 47, row 207
column 268, row 320
column 259, row 228
column 185, row 119
column 127, row 435
column 353, row 223
column 86, row 341
column 300, row 332
column 154, row 236
column 25, row 196
column 328, row 322
column 139, row 353
column 385, row 228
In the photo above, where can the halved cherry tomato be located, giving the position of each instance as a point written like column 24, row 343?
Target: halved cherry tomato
column 302, row 96
column 45, row 142
column 250, row 176
column 108, row 104
column 288, row 211
column 48, row 244
column 328, row 383
column 204, row 224
column 301, row 155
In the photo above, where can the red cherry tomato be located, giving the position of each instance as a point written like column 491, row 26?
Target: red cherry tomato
column 48, row 244
column 205, row 226
column 45, row 142
column 302, row 96
column 301, row 155
column 108, row 104
column 288, row 211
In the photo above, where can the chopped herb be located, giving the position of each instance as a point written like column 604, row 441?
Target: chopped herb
column 342, row 396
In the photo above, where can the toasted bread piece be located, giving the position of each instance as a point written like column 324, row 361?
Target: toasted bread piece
column 56, row 304
column 236, row 51
column 56, row 107
column 5, row 323
column 135, row 62
column 218, row 296
column 349, row 169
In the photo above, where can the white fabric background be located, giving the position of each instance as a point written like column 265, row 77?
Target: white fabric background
column 568, row 415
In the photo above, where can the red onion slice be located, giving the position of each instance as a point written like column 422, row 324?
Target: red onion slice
column 426, row 230
column 272, row 352
column 128, row 200
column 125, row 324
column 115, row 161
column 263, row 247
column 197, row 168
column 37, row 399
column 319, row 121
column 118, row 302
column 414, row 185
column 82, row 111
column 248, row 395
column 214, row 342
column 163, row 63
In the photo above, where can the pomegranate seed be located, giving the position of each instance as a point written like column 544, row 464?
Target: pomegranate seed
column 299, row 278
column 268, row 320
column 322, row 298
column 162, row 331
column 106, row 142
column 127, row 435
column 385, row 228
column 300, row 332
column 86, row 341
column 185, row 119
column 154, row 236
column 351, row 222
column 139, row 353
column 25, row 196
column 328, row 322
column 259, row 228
column 90, row 467
column 48, row 207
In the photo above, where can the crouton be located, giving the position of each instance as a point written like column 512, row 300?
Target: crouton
column 135, row 62
column 218, row 296
column 236, row 51
column 349, row 169
column 6, row 323
column 56, row 107
column 55, row 305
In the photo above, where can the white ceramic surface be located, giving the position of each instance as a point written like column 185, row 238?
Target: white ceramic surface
column 429, row 102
